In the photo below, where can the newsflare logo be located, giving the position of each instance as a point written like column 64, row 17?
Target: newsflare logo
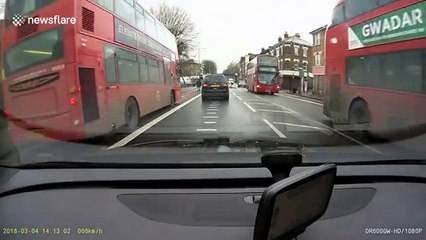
column 19, row 20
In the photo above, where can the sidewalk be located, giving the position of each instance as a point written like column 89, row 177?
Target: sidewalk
column 305, row 95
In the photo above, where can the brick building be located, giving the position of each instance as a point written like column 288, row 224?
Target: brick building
column 318, row 59
column 294, row 58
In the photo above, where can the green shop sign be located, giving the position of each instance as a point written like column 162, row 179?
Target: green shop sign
column 403, row 24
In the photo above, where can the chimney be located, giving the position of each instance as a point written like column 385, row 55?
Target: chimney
column 286, row 35
column 280, row 39
column 297, row 35
column 262, row 51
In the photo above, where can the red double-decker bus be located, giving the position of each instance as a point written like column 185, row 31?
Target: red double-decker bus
column 80, row 68
column 262, row 74
column 376, row 66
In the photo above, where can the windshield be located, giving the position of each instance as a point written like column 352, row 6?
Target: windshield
column 159, row 82
column 267, row 78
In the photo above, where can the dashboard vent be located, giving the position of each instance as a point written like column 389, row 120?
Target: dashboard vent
column 88, row 20
column 26, row 29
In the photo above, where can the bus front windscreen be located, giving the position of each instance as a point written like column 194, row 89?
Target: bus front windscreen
column 267, row 78
column 24, row 7
column 38, row 49
column 267, row 61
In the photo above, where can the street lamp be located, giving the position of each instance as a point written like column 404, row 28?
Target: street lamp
column 236, row 76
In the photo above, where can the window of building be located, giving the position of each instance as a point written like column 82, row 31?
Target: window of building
column 317, row 39
column 124, row 9
column 305, row 52
column 296, row 50
column 317, row 59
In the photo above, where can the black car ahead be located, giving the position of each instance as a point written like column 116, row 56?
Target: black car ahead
column 215, row 86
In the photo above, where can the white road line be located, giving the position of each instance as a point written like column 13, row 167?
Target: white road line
column 270, row 110
column 285, row 108
column 278, row 132
column 211, row 109
column 207, row 130
column 261, row 103
column 300, row 99
column 211, row 117
column 149, row 125
column 326, row 131
column 209, row 122
column 238, row 97
column 303, row 118
column 211, row 113
column 252, row 109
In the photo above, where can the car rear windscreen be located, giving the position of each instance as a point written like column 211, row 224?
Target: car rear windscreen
column 214, row 79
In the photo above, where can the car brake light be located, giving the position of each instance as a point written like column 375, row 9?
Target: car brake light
column 73, row 101
column 225, row 85
column 205, row 85
column 7, row 113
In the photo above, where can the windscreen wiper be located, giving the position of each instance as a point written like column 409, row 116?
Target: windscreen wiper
column 264, row 144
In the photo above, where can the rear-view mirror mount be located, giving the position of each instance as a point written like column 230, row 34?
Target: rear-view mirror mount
column 289, row 206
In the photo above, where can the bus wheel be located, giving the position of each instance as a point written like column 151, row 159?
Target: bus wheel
column 358, row 112
column 132, row 114
column 172, row 99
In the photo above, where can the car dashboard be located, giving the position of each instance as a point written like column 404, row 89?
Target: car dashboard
column 368, row 202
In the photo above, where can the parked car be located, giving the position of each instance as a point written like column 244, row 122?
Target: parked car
column 215, row 86
column 242, row 84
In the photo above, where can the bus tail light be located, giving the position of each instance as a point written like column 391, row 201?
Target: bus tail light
column 6, row 113
column 73, row 101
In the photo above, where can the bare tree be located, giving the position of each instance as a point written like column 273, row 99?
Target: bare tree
column 178, row 21
column 209, row 66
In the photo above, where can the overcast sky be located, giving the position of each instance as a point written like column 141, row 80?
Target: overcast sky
column 232, row 28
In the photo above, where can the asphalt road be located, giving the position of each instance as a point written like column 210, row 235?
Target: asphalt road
column 245, row 116
column 248, row 116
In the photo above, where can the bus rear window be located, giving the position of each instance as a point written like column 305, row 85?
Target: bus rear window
column 25, row 6
column 41, row 48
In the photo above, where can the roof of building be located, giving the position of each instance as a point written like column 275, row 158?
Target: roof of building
column 319, row 29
